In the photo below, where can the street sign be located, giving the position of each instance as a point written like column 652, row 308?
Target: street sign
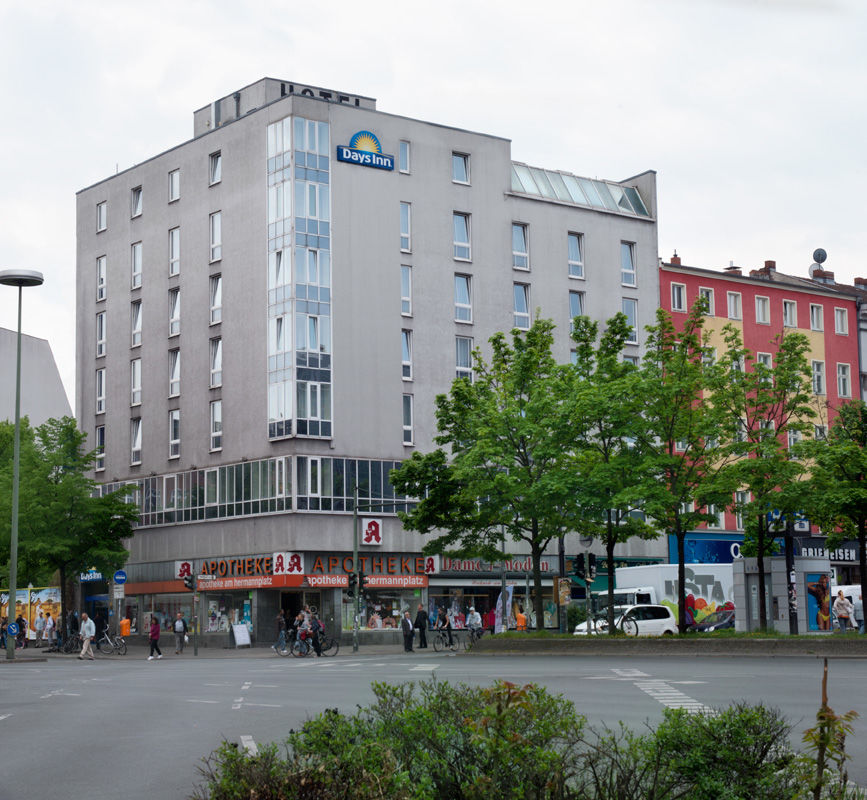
column 206, row 577
column 120, row 576
column 12, row 628
column 119, row 591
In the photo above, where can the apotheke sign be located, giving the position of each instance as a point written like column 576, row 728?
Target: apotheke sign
column 364, row 149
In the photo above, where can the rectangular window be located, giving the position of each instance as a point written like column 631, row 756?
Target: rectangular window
column 576, row 304
column 216, row 227
column 818, row 377
column 100, row 334
column 174, row 251
column 403, row 157
column 461, row 224
column 217, row 361
column 765, row 359
column 678, row 297
column 174, row 372
column 406, row 354
column 460, row 168
column 717, row 514
column 216, row 425
column 790, row 314
column 522, row 306
column 135, row 265
column 841, row 321
column 793, row 437
column 216, row 299
column 135, row 441
column 215, row 168
column 407, row 419
column 174, row 311
column 820, row 432
column 174, row 185
column 174, row 433
column 707, row 295
column 763, row 311
column 100, row 277
column 575, row 255
column 734, row 303
column 100, row 390
column 520, row 246
column 844, row 388
column 101, row 216
column 629, row 306
column 741, row 500
column 627, row 264
column 135, row 323
column 135, row 202
column 99, row 448
column 405, row 228
column 135, row 382
column 816, row 321
column 464, row 358
column 406, row 290
column 463, row 298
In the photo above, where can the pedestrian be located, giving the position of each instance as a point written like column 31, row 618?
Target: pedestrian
column 154, row 638
column 421, row 622
column 124, row 626
column 40, row 628
column 859, row 613
column 87, row 631
column 316, row 628
column 406, row 628
column 521, row 619
column 21, row 638
column 280, row 625
column 180, row 631
column 843, row 611
column 3, row 623
column 49, row 629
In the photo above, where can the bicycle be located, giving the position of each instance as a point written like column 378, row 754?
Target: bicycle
column 441, row 641
column 71, row 644
column 473, row 635
column 330, row 644
column 111, row 644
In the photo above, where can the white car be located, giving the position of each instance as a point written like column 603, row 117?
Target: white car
column 643, row 620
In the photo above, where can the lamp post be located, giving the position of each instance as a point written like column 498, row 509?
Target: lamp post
column 19, row 278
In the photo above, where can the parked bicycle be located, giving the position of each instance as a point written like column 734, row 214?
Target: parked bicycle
column 111, row 644
column 441, row 641
column 71, row 643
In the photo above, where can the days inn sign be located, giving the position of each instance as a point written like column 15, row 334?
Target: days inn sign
column 364, row 149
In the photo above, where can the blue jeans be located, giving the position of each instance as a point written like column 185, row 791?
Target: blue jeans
column 281, row 641
column 843, row 622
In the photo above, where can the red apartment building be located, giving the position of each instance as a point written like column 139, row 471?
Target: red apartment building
column 763, row 304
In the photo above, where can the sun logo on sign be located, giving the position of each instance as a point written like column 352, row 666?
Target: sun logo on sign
column 365, row 141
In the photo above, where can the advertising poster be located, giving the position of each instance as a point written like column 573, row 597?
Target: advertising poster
column 47, row 601
column 20, row 605
column 818, row 596
column 498, row 620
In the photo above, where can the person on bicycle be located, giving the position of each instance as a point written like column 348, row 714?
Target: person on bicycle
column 444, row 623
column 280, row 625
column 474, row 623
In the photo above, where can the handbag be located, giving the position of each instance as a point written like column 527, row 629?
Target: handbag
column 186, row 639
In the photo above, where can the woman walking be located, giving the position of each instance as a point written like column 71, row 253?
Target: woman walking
column 155, row 639
column 843, row 610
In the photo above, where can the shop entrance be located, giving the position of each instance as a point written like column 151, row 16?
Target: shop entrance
column 293, row 601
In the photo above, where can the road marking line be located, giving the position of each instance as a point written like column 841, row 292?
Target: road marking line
column 249, row 745
column 264, row 705
column 267, row 686
column 630, row 673
column 663, row 693
column 215, row 684
column 4, row 716
column 202, row 701
column 424, row 668
column 245, row 686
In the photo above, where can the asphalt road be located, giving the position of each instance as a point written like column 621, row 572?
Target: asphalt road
column 137, row 729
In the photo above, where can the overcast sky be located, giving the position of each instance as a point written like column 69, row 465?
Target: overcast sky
column 753, row 112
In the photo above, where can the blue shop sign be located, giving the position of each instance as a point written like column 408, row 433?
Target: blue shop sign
column 90, row 575
column 364, row 149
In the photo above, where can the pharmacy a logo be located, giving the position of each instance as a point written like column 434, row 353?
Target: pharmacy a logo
column 365, row 150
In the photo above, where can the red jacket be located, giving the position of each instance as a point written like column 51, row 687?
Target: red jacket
column 155, row 631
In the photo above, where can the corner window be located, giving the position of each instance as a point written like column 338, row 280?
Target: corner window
column 407, row 419
column 790, row 314
column 101, row 216
column 816, row 320
column 678, row 297
column 174, row 251
column 520, row 247
column 135, row 202
column 174, row 433
column 100, row 277
column 405, row 228
column 135, row 265
column 464, row 358
column 575, row 257
column 841, row 321
column 135, row 323
column 763, row 311
column 406, row 354
column 135, row 441
column 216, row 425
column 734, row 305
column 215, row 168
column 174, row 185
column 463, row 298
column 461, row 225
column 135, row 382
column 100, row 334
column 460, row 168
column 522, row 306
column 216, row 228
column 629, row 306
column 216, row 292
column 403, row 157
column 406, row 290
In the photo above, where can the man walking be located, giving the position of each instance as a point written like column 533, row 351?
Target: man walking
column 406, row 627
column 88, row 631
column 49, row 629
column 40, row 629
column 280, row 625
column 421, row 622
column 180, row 630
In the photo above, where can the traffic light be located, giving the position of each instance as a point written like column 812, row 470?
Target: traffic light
column 591, row 566
column 352, row 578
column 190, row 582
column 578, row 566
column 362, row 580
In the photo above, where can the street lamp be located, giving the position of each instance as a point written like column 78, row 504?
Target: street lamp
column 19, row 278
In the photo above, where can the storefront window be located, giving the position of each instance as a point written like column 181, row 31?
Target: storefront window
column 381, row 609
column 221, row 611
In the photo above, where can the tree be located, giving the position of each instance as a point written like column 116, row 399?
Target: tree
column 64, row 527
column 508, row 473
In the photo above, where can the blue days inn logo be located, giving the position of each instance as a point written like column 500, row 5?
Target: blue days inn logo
column 364, row 149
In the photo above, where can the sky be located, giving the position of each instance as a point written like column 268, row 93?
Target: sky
column 753, row 113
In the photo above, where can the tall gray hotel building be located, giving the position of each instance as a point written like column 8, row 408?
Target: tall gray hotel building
column 266, row 313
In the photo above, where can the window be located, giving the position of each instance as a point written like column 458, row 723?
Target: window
column 738, row 363
column 406, row 290
column 135, row 323
column 407, row 419
column 793, row 437
column 816, row 322
column 841, row 321
column 741, row 500
column 99, row 448
column 135, row 441
column 216, row 226
column 174, row 251
column 101, row 216
column 403, row 157
column 135, row 264
column 406, row 354
column 464, row 358
column 174, row 372
column 627, row 264
column 135, row 202
column 575, row 257
column 215, row 168
column 174, row 312
column 765, row 359
column 707, row 295
column 843, row 385
column 626, row 360
column 818, row 377
column 629, row 306
column 100, row 390
column 405, row 228
column 461, row 224
column 217, row 361
column 678, row 297
column 734, row 303
column 100, row 334
column 174, row 433
column 216, row 425
column 463, row 298
column 216, row 299
column 135, row 382
column 741, row 431
column 717, row 514
column 100, row 277
column 522, row 306
column 520, row 250
column 460, row 168
column 790, row 314
column 820, row 432
column 576, row 304
column 174, row 185
column 763, row 311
